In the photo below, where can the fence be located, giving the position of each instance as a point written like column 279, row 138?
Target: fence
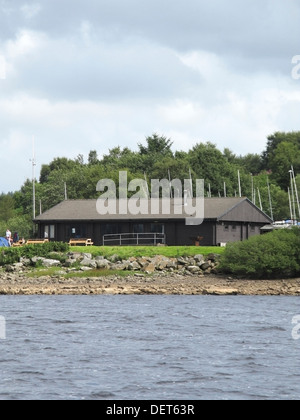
column 134, row 239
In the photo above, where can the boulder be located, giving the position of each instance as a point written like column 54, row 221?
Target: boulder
column 194, row 269
column 149, row 268
column 199, row 258
column 46, row 262
column 87, row 262
column 134, row 266
column 102, row 263
column 205, row 266
column 50, row 263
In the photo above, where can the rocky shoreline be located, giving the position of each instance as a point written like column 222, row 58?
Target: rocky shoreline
column 150, row 276
column 159, row 284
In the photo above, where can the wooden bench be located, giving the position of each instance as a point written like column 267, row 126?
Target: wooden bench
column 36, row 241
column 21, row 242
column 80, row 241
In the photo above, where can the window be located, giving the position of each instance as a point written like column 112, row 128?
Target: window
column 111, row 229
column 226, row 228
column 52, row 231
column 138, row 228
column 157, row 228
column 76, row 231
column 233, row 228
column 49, row 232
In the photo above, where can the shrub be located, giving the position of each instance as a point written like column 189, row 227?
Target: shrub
column 274, row 255
column 13, row 255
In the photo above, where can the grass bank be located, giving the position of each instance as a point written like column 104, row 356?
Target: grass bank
column 125, row 252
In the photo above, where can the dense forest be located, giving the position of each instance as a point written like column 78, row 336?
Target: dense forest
column 261, row 176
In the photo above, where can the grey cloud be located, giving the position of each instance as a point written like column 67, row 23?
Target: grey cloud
column 250, row 28
column 105, row 70
column 98, row 72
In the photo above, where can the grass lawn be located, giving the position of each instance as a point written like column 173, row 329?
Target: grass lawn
column 125, row 252
column 57, row 271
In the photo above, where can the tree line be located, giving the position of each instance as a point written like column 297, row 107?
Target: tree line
column 261, row 175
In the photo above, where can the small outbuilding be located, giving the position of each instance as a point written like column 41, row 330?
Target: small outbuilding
column 225, row 220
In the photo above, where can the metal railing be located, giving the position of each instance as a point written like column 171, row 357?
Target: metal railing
column 134, row 239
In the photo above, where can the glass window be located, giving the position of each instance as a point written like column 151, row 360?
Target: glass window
column 157, row 228
column 111, row 229
column 52, row 231
column 76, row 231
column 49, row 232
column 138, row 228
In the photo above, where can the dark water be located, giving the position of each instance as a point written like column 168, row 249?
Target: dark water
column 149, row 347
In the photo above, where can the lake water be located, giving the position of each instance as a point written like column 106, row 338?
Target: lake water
column 149, row 347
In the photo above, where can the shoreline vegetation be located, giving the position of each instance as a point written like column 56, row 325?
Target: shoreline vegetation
column 55, row 269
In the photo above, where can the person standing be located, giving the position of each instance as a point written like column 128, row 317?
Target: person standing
column 8, row 237
column 16, row 238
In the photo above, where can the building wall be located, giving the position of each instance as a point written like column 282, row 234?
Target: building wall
column 210, row 233
column 188, row 235
column 236, row 231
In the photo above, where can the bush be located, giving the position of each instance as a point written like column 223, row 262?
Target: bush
column 13, row 255
column 274, row 255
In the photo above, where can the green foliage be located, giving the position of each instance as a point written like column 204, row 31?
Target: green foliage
column 7, row 207
column 21, row 224
column 125, row 252
column 155, row 159
column 274, row 255
column 13, row 255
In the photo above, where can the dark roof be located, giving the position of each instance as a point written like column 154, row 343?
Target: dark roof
column 214, row 209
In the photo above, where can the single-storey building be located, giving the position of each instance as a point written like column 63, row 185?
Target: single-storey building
column 225, row 220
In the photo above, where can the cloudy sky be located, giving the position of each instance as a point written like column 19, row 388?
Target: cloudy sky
column 80, row 75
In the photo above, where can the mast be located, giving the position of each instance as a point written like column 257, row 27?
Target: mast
column 170, row 183
column 259, row 197
column 66, row 191
column 270, row 200
column 191, row 183
column 239, row 181
column 290, row 203
column 292, row 197
column 209, row 191
column 296, row 191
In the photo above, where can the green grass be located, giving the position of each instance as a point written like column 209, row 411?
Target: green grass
column 125, row 252
column 98, row 273
column 56, row 271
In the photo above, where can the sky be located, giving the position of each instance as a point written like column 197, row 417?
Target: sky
column 82, row 75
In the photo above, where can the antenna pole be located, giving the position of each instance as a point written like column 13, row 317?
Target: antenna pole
column 33, row 177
